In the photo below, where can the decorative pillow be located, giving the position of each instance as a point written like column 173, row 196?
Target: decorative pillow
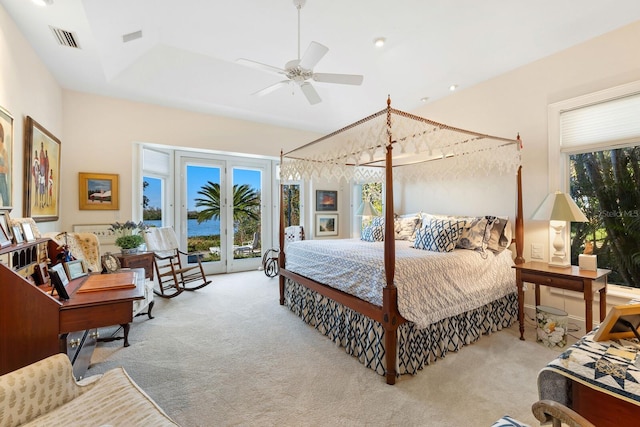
column 475, row 234
column 372, row 233
column 377, row 221
column 500, row 236
column 441, row 235
column 405, row 227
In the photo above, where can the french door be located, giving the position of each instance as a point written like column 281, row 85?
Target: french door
column 220, row 209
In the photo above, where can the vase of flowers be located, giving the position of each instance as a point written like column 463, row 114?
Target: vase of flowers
column 129, row 235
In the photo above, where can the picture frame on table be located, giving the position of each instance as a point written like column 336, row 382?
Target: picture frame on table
column 60, row 271
column 5, row 223
column 59, row 281
column 42, row 173
column 326, row 225
column 18, row 237
column 6, row 159
column 27, row 232
column 98, row 191
column 4, row 239
column 75, row 269
column 326, row 200
column 622, row 322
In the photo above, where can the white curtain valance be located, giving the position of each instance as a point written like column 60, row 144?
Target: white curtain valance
column 422, row 149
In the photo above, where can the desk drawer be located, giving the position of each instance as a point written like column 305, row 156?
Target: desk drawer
column 556, row 282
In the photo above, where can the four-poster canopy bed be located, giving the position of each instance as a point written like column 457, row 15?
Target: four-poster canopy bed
column 391, row 336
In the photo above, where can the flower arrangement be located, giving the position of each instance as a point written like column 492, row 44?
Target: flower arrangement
column 128, row 234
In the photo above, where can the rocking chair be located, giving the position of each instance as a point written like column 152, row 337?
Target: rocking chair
column 172, row 276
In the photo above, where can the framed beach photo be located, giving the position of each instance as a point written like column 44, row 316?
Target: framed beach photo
column 42, row 173
column 98, row 191
column 326, row 200
column 326, row 224
column 6, row 158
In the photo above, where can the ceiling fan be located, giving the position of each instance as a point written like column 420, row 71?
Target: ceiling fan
column 300, row 71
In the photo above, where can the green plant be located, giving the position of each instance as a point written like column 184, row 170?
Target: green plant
column 130, row 241
column 128, row 234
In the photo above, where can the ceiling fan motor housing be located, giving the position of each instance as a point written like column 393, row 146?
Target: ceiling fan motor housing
column 296, row 73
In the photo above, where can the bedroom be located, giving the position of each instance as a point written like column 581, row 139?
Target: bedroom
column 518, row 103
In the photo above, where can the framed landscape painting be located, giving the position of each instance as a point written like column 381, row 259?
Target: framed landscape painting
column 326, row 200
column 6, row 157
column 326, row 224
column 98, row 191
column 41, row 173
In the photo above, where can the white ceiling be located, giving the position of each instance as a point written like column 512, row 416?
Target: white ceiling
column 187, row 55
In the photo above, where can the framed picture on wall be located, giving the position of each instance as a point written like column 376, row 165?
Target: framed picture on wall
column 42, row 173
column 98, row 191
column 326, row 200
column 326, row 224
column 6, row 157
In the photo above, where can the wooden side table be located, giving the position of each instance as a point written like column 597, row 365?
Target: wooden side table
column 139, row 260
column 570, row 278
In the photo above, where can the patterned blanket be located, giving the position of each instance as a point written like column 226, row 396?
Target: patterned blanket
column 608, row 366
column 431, row 285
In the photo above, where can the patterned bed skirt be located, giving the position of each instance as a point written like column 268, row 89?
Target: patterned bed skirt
column 363, row 338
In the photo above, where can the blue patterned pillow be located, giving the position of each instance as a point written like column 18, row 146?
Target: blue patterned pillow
column 476, row 234
column 372, row 233
column 377, row 221
column 441, row 235
column 507, row 421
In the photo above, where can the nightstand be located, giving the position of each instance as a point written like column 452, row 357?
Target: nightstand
column 570, row 278
column 138, row 260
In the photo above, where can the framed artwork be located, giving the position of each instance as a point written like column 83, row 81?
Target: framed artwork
column 326, row 224
column 622, row 322
column 18, row 237
column 4, row 239
column 6, row 158
column 106, row 236
column 75, row 269
column 5, row 223
column 27, row 232
column 98, row 191
column 42, row 173
column 326, row 200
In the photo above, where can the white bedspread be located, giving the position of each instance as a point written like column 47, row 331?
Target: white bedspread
column 431, row 285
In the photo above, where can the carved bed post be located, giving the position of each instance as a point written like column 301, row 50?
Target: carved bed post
column 519, row 221
column 281, row 235
column 390, row 318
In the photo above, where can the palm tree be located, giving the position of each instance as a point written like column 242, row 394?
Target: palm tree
column 246, row 202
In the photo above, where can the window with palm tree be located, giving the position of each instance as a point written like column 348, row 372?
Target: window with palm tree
column 246, row 212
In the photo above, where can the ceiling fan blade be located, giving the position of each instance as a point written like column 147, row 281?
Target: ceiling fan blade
column 312, row 55
column 271, row 88
column 310, row 93
column 260, row 66
column 343, row 79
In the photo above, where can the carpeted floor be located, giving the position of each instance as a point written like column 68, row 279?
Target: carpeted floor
column 230, row 355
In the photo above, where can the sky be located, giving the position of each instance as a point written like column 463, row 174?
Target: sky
column 197, row 176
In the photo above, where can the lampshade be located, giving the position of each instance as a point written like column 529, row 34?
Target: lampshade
column 559, row 206
column 366, row 209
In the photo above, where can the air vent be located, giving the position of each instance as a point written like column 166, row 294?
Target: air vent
column 132, row 36
column 65, row 38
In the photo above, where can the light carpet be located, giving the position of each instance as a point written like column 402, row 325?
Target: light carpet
column 230, row 355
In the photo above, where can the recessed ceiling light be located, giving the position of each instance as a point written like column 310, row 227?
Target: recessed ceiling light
column 42, row 3
column 379, row 42
column 424, row 99
column 453, row 87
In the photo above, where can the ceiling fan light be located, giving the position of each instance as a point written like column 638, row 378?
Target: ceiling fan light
column 379, row 42
column 453, row 87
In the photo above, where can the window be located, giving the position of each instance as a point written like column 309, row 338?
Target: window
column 600, row 142
column 291, row 199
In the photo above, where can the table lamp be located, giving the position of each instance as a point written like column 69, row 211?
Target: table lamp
column 559, row 208
column 366, row 209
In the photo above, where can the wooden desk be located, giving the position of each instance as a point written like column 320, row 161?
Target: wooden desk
column 35, row 324
column 570, row 278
